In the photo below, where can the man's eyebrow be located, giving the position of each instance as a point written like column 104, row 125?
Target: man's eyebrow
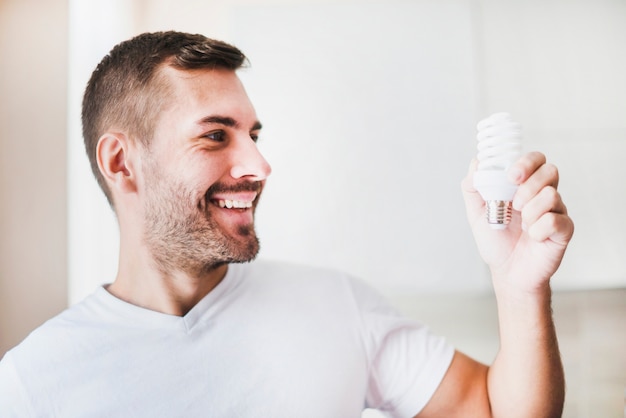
column 220, row 120
column 226, row 121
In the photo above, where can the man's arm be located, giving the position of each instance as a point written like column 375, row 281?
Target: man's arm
column 526, row 378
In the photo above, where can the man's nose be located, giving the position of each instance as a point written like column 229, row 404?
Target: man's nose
column 247, row 161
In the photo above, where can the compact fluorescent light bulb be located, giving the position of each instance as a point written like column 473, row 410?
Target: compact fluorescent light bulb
column 499, row 146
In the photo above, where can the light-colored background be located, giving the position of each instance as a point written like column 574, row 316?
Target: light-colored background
column 369, row 110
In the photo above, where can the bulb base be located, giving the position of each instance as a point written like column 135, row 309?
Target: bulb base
column 499, row 213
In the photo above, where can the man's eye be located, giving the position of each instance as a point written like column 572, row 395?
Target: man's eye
column 217, row 136
column 255, row 137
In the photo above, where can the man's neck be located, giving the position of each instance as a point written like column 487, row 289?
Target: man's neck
column 173, row 293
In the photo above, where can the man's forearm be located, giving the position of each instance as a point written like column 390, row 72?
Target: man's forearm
column 526, row 378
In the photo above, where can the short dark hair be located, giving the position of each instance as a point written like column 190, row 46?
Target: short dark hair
column 126, row 93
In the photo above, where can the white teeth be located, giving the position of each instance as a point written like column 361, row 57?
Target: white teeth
column 237, row 204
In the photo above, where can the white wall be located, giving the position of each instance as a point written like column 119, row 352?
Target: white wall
column 369, row 109
column 92, row 230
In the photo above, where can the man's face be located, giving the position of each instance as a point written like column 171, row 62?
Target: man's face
column 203, row 174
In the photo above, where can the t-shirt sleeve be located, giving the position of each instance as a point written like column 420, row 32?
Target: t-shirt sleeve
column 406, row 361
column 13, row 400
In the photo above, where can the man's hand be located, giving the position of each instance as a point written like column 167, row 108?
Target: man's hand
column 526, row 378
column 529, row 251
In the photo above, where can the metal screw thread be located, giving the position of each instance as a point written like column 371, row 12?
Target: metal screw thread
column 499, row 213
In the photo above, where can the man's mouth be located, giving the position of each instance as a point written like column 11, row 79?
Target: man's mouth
column 239, row 197
column 236, row 204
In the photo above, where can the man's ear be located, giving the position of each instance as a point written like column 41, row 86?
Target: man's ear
column 115, row 161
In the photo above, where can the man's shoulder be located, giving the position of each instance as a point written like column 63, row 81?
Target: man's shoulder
column 311, row 282
column 290, row 269
column 58, row 331
column 287, row 274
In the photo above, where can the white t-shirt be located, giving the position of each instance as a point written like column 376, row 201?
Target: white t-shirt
column 271, row 340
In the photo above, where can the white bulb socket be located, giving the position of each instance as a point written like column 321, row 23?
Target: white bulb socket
column 497, row 192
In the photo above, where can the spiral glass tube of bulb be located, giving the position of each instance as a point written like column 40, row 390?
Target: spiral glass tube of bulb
column 499, row 146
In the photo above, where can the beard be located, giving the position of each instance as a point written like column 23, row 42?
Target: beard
column 182, row 235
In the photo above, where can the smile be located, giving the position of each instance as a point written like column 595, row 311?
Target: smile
column 237, row 204
column 239, row 197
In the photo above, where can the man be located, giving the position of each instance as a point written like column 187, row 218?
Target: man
column 189, row 328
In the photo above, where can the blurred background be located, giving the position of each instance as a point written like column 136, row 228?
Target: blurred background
column 369, row 111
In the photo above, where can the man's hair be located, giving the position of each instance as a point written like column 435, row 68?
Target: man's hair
column 126, row 93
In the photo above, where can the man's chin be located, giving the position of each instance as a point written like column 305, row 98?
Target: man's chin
column 242, row 248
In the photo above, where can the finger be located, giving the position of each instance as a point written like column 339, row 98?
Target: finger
column 547, row 175
column 525, row 166
column 557, row 227
column 473, row 201
column 467, row 185
column 547, row 200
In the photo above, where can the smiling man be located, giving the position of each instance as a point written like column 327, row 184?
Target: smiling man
column 193, row 188
column 192, row 327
